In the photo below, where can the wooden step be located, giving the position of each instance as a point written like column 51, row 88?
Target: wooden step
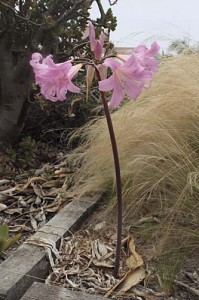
column 39, row 291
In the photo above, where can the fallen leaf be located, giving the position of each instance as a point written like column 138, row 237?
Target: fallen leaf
column 37, row 190
column 38, row 200
column 3, row 197
column 12, row 211
column 21, row 188
column 102, row 264
column 132, row 278
column 22, row 202
column 9, row 191
column 3, row 207
column 17, row 228
column 33, row 223
column 135, row 260
column 4, row 181
column 52, row 209
column 46, row 243
column 52, row 183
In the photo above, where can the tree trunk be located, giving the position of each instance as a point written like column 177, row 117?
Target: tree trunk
column 14, row 85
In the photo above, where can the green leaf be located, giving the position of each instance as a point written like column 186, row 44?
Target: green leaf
column 4, row 230
column 11, row 241
column 1, row 244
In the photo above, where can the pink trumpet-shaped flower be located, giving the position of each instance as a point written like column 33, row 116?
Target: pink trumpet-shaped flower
column 146, row 56
column 54, row 79
column 127, row 79
column 96, row 45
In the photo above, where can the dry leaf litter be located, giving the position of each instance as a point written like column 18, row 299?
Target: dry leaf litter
column 26, row 204
column 85, row 261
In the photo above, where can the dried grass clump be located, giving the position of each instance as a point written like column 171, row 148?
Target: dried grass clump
column 158, row 142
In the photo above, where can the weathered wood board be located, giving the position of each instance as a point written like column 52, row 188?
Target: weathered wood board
column 19, row 271
column 39, row 291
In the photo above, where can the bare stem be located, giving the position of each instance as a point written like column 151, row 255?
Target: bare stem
column 118, row 180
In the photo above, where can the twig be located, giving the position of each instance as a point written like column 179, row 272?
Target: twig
column 66, row 15
column 189, row 288
column 17, row 15
column 101, row 9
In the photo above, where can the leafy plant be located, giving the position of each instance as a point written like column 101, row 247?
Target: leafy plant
column 5, row 241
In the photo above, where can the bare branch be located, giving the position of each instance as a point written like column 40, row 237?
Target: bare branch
column 83, row 43
column 66, row 15
column 101, row 9
column 17, row 15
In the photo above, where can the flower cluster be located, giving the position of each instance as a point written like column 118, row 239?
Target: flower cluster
column 129, row 75
column 54, row 79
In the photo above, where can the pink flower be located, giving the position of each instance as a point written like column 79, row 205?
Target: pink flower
column 127, row 79
column 96, row 45
column 146, row 56
column 54, row 79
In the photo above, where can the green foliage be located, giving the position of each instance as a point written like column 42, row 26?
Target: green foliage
column 24, row 155
column 11, row 153
column 27, row 151
column 5, row 241
column 110, row 20
column 180, row 45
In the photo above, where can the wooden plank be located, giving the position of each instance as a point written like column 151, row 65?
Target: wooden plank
column 39, row 291
column 18, row 271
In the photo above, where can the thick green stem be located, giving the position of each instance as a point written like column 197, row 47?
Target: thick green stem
column 118, row 181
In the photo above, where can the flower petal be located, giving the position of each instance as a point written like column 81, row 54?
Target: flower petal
column 112, row 63
column 73, row 88
column 132, row 89
column 37, row 57
column 153, row 50
column 117, row 95
column 91, row 30
column 102, row 38
column 106, row 84
column 74, row 70
column 61, row 93
column 132, row 63
column 98, row 50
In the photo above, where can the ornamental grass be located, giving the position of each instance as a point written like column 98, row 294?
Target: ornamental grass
column 158, row 142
